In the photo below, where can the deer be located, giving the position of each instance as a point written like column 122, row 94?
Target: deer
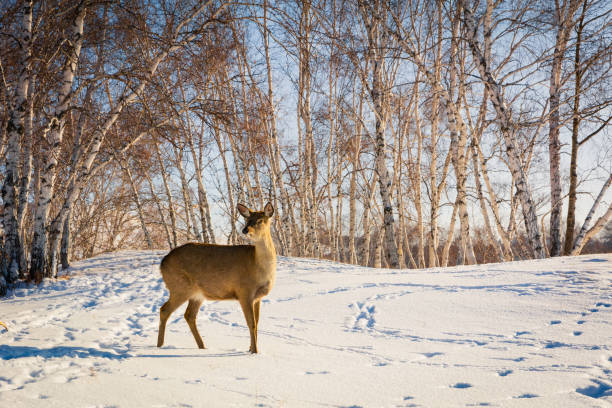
column 246, row 273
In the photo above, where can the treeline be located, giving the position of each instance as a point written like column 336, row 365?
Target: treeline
column 385, row 133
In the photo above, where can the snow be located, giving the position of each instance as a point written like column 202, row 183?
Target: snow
column 520, row 334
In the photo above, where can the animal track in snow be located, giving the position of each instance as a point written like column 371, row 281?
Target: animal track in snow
column 527, row 395
column 364, row 315
column 461, row 385
column 598, row 389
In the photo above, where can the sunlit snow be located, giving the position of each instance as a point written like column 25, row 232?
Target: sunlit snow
column 533, row 333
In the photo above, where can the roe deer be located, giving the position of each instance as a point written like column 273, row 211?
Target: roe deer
column 246, row 273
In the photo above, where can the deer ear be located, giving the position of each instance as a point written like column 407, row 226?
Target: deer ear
column 243, row 210
column 268, row 210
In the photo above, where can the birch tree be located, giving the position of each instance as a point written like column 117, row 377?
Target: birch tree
column 587, row 232
column 563, row 22
column 504, row 122
column 10, row 266
column 39, row 267
column 377, row 43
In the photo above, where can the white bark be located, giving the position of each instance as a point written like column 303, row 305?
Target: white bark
column 585, row 233
column 66, row 243
column 378, row 247
column 309, row 166
column 39, row 267
column 24, row 184
column 563, row 21
column 458, row 135
column 10, row 266
column 435, row 191
column 417, row 180
column 378, row 94
column 449, row 238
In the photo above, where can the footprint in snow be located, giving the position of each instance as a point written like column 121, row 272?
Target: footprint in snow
column 555, row 344
column 461, row 385
column 527, row 395
column 365, row 315
column 504, row 373
column 553, row 322
column 598, row 389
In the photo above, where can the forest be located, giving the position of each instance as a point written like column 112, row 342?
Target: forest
column 399, row 134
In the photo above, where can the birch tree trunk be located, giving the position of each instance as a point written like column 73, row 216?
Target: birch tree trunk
column 352, row 252
column 309, row 166
column 458, row 134
column 39, row 266
column 571, row 201
column 24, row 185
column 563, row 18
column 355, row 166
column 378, row 246
column 10, row 266
column 342, row 256
column 378, row 94
column 585, row 233
column 584, row 237
column 66, row 243
column 417, row 179
column 433, row 168
column 449, row 239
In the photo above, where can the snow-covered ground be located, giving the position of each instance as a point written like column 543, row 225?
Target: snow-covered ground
column 528, row 334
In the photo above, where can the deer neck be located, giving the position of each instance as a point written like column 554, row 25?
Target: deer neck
column 265, row 252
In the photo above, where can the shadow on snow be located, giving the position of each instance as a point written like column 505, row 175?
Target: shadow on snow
column 12, row 352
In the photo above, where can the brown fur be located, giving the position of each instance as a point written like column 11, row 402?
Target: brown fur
column 194, row 272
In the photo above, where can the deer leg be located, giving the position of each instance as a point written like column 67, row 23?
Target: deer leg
column 249, row 315
column 164, row 313
column 190, row 315
column 256, row 307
